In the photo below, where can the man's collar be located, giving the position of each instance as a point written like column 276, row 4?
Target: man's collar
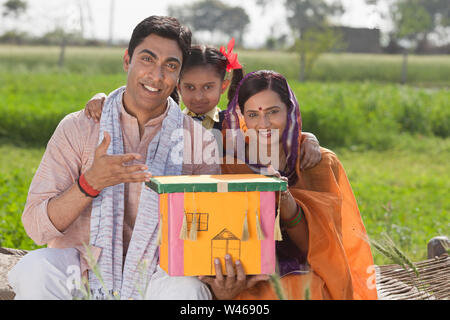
column 128, row 117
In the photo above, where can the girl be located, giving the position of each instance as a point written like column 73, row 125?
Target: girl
column 203, row 79
column 323, row 248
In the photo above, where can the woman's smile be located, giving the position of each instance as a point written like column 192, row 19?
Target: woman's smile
column 267, row 114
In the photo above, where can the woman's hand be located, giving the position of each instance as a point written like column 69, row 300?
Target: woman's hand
column 94, row 107
column 288, row 205
column 288, row 210
column 309, row 151
column 229, row 286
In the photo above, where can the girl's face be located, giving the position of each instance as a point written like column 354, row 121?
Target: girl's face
column 265, row 112
column 201, row 88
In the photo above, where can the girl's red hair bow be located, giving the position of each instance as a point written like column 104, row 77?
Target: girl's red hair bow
column 233, row 62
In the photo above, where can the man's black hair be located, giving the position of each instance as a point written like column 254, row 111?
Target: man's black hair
column 166, row 27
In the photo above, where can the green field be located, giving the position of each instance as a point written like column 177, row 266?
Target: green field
column 422, row 70
column 31, row 106
column 393, row 140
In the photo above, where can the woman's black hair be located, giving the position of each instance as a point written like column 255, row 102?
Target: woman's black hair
column 260, row 81
column 201, row 55
column 166, row 27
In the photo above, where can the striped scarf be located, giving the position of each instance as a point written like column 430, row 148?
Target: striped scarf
column 128, row 279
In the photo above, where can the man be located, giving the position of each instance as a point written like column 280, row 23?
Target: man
column 90, row 193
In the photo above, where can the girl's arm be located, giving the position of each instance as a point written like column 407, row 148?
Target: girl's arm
column 309, row 151
column 93, row 109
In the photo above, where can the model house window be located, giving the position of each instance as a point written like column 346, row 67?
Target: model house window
column 202, row 220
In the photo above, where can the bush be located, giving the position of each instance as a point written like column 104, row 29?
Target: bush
column 370, row 115
column 357, row 115
column 13, row 194
column 32, row 105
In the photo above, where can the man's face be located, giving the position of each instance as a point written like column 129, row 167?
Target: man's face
column 153, row 72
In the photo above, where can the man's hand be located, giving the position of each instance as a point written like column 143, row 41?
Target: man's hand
column 226, row 288
column 109, row 170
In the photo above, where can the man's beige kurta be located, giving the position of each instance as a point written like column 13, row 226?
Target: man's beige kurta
column 70, row 152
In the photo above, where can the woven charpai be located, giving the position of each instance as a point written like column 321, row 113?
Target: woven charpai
column 8, row 258
column 433, row 282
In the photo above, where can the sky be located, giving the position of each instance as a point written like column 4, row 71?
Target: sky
column 43, row 15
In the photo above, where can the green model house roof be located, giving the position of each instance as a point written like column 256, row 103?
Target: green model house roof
column 216, row 183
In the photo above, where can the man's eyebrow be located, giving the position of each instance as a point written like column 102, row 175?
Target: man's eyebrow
column 155, row 56
column 173, row 59
column 149, row 52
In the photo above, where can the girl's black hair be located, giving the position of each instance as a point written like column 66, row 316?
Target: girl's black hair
column 238, row 75
column 166, row 27
column 202, row 55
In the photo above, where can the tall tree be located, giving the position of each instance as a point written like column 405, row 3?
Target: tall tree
column 416, row 20
column 410, row 19
column 309, row 21
column 413, row 22
column 202, row 15
column 305, row 14
column 439, row 14
column 213, row 16
column 14, row 8
column 235, row 22
column 12, row 11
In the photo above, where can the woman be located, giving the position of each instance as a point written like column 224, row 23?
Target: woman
column 322, row 228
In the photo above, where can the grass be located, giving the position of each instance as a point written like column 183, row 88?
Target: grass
column 403, row 192
column 44, row 59
column 17, row 168
column 331, row 67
